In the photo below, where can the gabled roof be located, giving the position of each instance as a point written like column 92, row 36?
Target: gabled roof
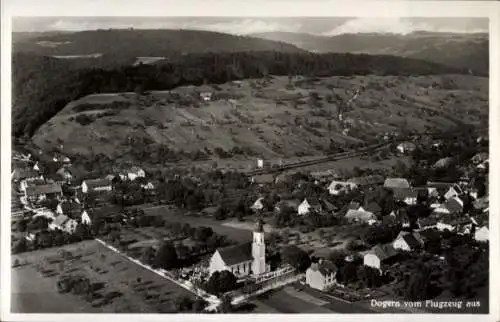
column 69, row 207
column 396, row 183
column 384, row 251
column 236, row 254
column 359, row 215
column 44, row 189
column 403, row 193
column 410, row 239
column 95, row 183
column 134, row 169
column 444, row 162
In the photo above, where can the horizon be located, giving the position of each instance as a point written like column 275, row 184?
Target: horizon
column 318, row 26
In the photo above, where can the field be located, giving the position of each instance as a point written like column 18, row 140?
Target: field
column 123, row 286
column 271, row 120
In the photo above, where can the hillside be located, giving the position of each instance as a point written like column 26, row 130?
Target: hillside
column 134, row 43
column 44, row 85
column 458, row 50
column 275, row 118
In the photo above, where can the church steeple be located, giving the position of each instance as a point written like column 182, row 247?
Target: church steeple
column 259, row 249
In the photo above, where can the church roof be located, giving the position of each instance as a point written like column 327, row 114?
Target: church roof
column 232, row 255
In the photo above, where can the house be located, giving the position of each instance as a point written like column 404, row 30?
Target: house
column 337, row 187
column 360, row 216
column 370, row 180
column 71, row 208
column 407, row 195
column 25, row 174
column 406, row 147
column 148, row 186
column 427, row 223
column 263, row 179
column 42, row 192
column 380, row 255
column 85, row 218
column 37, row 167
column 135, row 172
column 96, row 185
column 44, row 212
column 396, row 183
column 307, row 207
column 63, row 223
column 453, row 191
column 408, row 241
column 454, row 205
column 25, row 184
column 260, row 163
column 258, row 205
column 244, row 259
column 321, row 275
column 65, row 174
column 206, row 96
column 482, row 234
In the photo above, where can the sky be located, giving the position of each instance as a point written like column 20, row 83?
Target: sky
column 328, row 26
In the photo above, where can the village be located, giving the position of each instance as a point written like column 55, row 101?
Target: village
column 229, row 237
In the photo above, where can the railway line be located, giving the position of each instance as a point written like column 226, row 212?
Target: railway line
column 364, row 151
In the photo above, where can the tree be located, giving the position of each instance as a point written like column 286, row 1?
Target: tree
column 182, row 251
column 148, row 255
column 199, row 305
column 166, row 257
column 296, row 257
column 20, row 246
column 22, row 225
column 221, row 282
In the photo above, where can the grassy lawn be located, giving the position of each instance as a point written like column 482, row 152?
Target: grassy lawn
column 283, row 302
column 133, row 288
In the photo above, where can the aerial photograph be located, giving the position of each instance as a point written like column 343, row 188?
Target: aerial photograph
column 326, row 165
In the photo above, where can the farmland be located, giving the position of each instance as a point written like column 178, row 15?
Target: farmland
column 272, row 119
column 122, row 285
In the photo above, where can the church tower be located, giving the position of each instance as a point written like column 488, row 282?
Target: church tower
column 259, row 250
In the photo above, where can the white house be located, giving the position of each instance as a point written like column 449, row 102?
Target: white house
column 96, row 185
column 206, row 96
column 85, row 218
column 306, row 207
column 321, row 275
column 379, row 255
column 408, row 241
column 260, row 163
column 337, row 187
column 482, row 234
column 244, row 259
column 360, row 216
column 63, row 223
column 135, row 172
column 406, row 147
column 258, row 205
column 454, row 191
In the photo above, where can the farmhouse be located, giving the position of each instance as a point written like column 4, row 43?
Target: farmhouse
column 337, row 187
column 380, row 255
column 321, row 275
column 244, row 259
column 71, row 208
column 360, row 216
column 406, row 147
column 42, row 192
column 26, row 175
column 96, row 185
column 408, row 241
column 406, row 195
column 63, row 223
column 135, row 172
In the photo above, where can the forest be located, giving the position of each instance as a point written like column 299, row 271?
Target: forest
column 43, row 86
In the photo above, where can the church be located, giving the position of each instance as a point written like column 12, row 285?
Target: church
column 248, row 259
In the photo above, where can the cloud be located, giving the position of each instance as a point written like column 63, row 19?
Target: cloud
column 233, row 26
column 398, row 26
